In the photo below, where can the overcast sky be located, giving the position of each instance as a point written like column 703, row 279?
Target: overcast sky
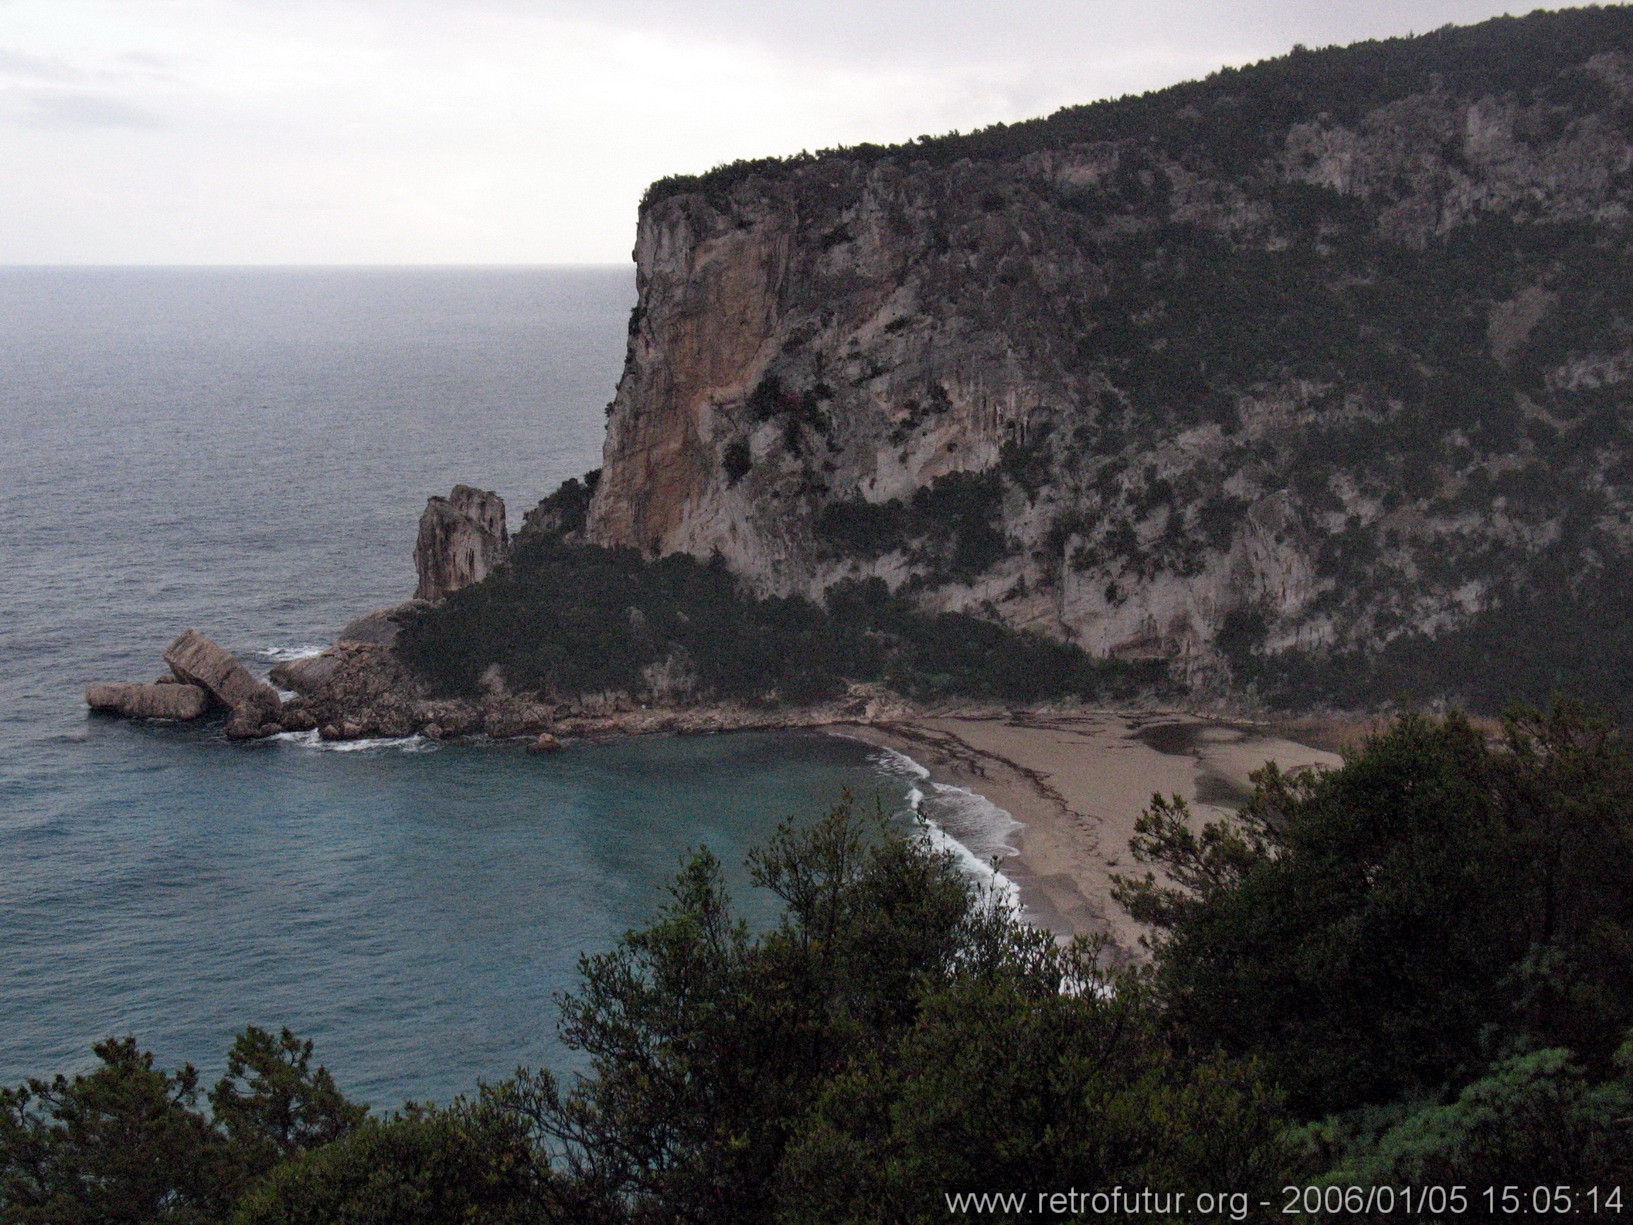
column 523, row 131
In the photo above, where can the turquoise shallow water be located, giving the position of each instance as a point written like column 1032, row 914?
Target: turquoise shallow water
column 411, row 907
column 248, row 451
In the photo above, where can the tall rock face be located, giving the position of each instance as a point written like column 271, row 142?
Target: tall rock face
column 462, row 538
column 1301, row 360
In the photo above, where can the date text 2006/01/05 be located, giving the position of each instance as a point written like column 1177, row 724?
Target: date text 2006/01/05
column 1407, row 1201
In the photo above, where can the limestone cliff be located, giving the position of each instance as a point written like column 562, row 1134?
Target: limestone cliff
column 1305, row 358
column 462, row 538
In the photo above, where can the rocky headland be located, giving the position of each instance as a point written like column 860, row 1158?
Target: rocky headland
column 1308, row 381
column 360, row 688
column 1305, row 385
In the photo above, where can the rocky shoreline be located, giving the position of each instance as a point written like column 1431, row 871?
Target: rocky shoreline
column 358, row 688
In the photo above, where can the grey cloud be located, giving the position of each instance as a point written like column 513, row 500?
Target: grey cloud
column 63, row 109
column 927, row 31
column 151, row 63
column 21, row 65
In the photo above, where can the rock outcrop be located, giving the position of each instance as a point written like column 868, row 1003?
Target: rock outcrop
column 462, row 538
column 171, row 700
column 1307, row 357
column 254, row 705
column 308, row 675
column 356, row 689
column 319, row 674
column 202, row 677
column 379, row 628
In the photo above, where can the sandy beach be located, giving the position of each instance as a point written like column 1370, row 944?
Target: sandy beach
column 1078, row 782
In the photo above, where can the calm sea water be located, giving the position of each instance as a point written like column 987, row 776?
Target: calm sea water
column 248, row 451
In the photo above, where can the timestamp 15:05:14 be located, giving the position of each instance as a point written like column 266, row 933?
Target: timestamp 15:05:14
column 1556, row 1201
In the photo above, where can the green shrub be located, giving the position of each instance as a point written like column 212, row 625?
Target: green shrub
column 565, row 619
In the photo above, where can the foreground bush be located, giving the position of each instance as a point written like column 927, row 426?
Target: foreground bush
column 897, row 1038
column 1430, row 949
column 1416, row 969
column 127, row 1142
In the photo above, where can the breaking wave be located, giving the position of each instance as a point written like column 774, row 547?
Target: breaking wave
column 403, row 744
column 975, row 830
column 284, row 655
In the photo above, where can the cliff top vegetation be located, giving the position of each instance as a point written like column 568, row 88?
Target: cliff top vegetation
column 1234, row 115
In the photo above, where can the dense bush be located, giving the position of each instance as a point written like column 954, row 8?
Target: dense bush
column 952, row 526
column 897, row 1038
column 126, row 1144
column 1564, row 626
column 567, row 619
column 472, row 1161
column 1439, row 904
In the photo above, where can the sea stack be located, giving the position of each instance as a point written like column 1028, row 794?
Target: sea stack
column 462, row 538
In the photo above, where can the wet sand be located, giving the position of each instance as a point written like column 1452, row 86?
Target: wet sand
column 1078, row 782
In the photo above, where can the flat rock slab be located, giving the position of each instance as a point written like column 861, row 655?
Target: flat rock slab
column 378, row 628
column 309, row 675
column 169, row 701
column 198, row 661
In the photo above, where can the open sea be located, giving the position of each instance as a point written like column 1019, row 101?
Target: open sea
column 247, row 451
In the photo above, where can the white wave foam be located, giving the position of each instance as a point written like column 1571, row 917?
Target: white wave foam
column 284, row 655
column 1003, row 890
column 961, row 821
column 403, row 744
column 974, row 820
column 901, row 765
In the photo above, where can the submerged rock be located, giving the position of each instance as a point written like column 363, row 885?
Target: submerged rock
column 171, row 700
column 462, row 538
column 546, row 743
